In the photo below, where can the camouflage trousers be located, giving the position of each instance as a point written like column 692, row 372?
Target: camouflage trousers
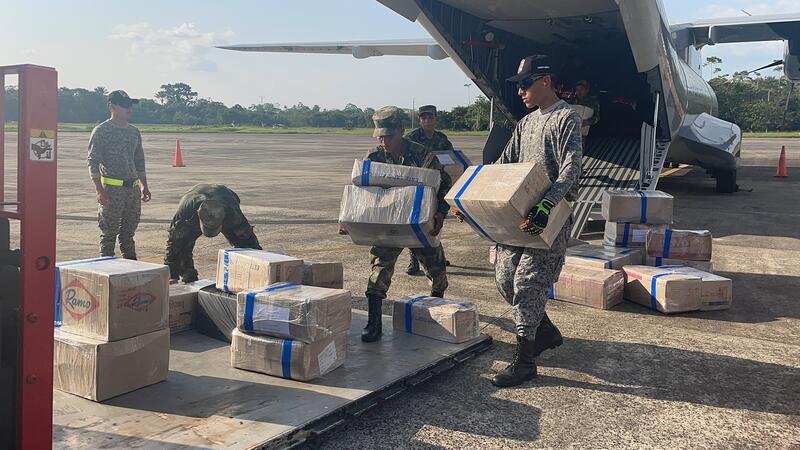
column 524, row 277
column 383, row 260
column 119, row 218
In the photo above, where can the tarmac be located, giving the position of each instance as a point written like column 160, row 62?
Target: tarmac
column 624, row 378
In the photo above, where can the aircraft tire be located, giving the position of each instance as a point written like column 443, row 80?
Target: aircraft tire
column 726, row 181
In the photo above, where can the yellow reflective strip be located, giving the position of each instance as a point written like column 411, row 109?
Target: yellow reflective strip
column 111, row 181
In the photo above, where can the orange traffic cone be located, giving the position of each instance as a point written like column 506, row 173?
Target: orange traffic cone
column 178, row 155
column 782, row 172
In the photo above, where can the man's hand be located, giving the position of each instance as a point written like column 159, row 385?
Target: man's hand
column 438, row 222
column 342, row 230
column 146, row 193
column 102, row 196
column 537, row 217
column 459, row 215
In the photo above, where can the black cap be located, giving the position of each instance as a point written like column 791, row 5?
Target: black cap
column 121, row 98
column 533, row 66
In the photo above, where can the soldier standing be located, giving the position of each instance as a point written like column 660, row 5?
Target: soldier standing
column 206, row 210
column 583, row 98
column 117, row 168
column 430, row 138
column 395, row 149
column 549, row 136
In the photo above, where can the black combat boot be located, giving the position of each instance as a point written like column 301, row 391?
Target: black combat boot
column 439, row 294
column 522, row 367
column 372, row 332
column 547, row 337
column 413, row 265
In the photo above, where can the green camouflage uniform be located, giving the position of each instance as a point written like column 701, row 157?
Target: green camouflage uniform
column 438, row 141
column 589, row 101
column 117, row 153
column 185, row 228
column 383, row 259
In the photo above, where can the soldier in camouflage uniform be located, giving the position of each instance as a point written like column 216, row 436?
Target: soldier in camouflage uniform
column 206, row 210
column 433, row 140
column 117, row 168
column 583, row 98
column 549, row 136
column 395, row 149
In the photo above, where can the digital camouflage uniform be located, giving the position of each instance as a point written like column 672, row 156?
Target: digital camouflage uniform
column 185, row 228
column 524, row 275
column 116, row 153
column 383, row 259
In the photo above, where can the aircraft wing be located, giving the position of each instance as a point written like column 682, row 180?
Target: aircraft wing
column 777, row 27
column 359, row 49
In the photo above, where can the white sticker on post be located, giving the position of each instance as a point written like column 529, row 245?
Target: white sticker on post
column 327, row 357
column 639, row 235
column 270, row 319
column 445, row 159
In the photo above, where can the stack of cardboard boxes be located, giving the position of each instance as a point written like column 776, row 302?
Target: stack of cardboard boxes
column 390, row 205
column 114, row 333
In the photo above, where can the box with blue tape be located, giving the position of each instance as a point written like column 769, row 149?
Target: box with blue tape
column 603, row 257
column 371, row 173
column 455, row 162
column 650, row 207
column 693, row 245
column 242, row 269
column 437, row 318
column 628, row 234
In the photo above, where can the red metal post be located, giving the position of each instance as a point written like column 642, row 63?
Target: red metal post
column 36, row 193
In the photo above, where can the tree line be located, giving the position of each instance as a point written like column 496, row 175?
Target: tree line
column 178, row 104
column 754, row 102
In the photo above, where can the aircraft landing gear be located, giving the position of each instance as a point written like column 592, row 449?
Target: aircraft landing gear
column 726, row 181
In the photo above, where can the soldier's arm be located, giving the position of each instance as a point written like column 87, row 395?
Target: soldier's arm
column 95, row 156
column 571, row 152
column 138, row 157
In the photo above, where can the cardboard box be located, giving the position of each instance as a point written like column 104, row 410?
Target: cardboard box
column 371, row 173
column 628, row 234
column 323, row 274
column 242, row 269
column 293, row 311
column 99, row 370
column 663, row 289
column 287, row 358
column 651, row 207
column 112, row 298
column 182, row 303
column 496, row 198
column 589, row 286
column 216, row 313
column 657, row 261
column 603, row 257
column 716, row 292
column 680, row 244
column 394, row 217
column 437, row 318
column 455, row 162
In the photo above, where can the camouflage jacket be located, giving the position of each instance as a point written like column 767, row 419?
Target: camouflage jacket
column 116, row 152
column 439, row 140
column 416, row 155
column 553, row 138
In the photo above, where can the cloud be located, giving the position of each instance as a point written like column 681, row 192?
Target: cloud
column 182, row 47
column 735, row 8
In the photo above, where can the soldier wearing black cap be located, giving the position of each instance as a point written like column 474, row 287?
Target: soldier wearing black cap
column 206, row 210
column 117, row 168
column 549, row 136
column 429, row 137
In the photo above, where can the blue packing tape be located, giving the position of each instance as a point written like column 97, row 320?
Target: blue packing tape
column 420, row 190
column 659, row 260
column 250, row 301
column 643, row 218
column 365, row 172
column 461, row 207
column 653, row 286
column 667, row 242
column 625, row 230
column 408, row 311
column 460, row 158
column 553, row 291
column 225, row 270
column 85, row 261
column 286, row 359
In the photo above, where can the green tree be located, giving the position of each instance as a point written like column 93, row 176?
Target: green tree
column 177, row 94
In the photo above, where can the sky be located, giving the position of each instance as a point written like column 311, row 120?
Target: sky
column 138, row 46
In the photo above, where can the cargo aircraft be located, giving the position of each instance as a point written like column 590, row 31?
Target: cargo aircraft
column 656, row 108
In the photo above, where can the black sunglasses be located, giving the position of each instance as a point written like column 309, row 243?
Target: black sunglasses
column 528, row 82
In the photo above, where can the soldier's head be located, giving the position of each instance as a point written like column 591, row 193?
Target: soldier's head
column 581, row 88
column 389, row 128
column 535, row 81
column 211, row 214
column 428, row 118
column 120, row 104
